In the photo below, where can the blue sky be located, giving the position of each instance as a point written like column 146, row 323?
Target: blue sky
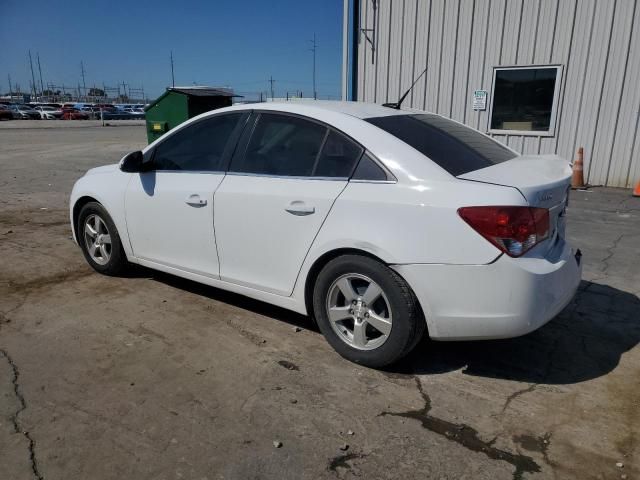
column 220, row 43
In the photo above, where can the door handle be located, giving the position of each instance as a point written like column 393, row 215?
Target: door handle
column 195, row 201
column 299, row 208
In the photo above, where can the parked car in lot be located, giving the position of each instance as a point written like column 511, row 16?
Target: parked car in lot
column 25, row 112
column 5, row 113
column 135, row 113
column 381, row 223
column 74, row 114
column 114, row 114
column 49, row 113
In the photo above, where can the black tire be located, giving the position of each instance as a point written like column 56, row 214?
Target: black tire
column 408, row 323
column 117, row 263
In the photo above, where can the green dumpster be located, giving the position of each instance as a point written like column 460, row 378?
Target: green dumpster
column 179, row 104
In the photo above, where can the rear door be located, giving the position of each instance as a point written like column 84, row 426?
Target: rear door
column 281, row 185
column 169, row 209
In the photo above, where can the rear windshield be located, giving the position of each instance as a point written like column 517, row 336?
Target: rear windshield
column 456, row 148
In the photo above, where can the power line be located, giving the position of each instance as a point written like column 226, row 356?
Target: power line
column 173, row 80
column 84, row 85
column 33, row 77
column 271, row 80
column 313, row 48
column 40, row 70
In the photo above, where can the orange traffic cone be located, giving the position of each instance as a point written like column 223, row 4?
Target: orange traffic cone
column 577, row 178
column 636, row 191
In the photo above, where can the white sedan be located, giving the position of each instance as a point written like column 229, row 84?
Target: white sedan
column 49, row 113
column 380, row 223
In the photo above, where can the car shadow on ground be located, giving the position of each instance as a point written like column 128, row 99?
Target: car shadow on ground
column 585, row 341
column 235, row 299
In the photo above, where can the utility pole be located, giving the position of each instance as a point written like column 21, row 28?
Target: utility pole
column 33, row 77
column 271, row 80
column 313, row 48
column 173, row 80
column 84, row 85
column 10, row 88
column 40, row 70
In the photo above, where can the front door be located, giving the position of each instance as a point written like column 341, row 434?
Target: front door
column 169, row 209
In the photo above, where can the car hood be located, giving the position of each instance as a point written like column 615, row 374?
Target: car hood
column 104, row 169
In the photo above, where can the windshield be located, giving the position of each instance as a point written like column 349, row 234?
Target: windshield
column 453, row 146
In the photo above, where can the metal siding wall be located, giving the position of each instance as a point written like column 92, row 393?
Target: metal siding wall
column 477, row 63
column 423, row 10
column 408, row 47
column 447, row 66
column 626, row 143
column 593, row 83
column 383, row 42
column 434, row 52
column 615, row 73
column 597, row 42
column 559, row 52
column 461, row 90
column 397, row 53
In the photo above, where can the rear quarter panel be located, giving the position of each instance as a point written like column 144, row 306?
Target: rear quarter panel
column 404, row 223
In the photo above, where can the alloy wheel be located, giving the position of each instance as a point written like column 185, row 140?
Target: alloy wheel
column 97, row 239
column 359, row 311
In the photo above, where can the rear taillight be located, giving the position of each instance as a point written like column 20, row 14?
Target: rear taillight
column 514, row 230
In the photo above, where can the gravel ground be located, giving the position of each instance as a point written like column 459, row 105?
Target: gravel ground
column 154, row 377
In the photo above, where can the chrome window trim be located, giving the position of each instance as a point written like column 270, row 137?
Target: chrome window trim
column 285, row 177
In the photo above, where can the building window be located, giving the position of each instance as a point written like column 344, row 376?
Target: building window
column 525, row 100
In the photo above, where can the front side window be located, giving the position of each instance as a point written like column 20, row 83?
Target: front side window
column 281, row 145
column 453, row 146
column 524, row 99
column 197, row 147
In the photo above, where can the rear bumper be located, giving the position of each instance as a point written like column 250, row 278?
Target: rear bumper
column 507, row 298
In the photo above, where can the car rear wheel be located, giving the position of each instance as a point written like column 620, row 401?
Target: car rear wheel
column 99, row 240
column 366, row 311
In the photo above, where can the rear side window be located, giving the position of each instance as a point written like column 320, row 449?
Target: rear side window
column 338, row 158
column 456, row 148
column 369, row 170
column 281, row 145
column 197, row 147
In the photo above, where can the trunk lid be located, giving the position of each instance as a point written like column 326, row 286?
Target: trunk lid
column 543, row 180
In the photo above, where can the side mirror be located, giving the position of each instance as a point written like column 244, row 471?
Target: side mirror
column 132, row 162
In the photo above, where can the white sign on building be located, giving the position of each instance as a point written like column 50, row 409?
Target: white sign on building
column 479, row 99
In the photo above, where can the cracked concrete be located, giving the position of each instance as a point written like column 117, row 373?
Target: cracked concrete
column 153, row 377
column 15, row 417
column 466, row 436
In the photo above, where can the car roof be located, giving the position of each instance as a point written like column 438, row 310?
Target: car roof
column 360, row 110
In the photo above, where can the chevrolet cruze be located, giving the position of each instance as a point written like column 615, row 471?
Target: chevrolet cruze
column 382, row 224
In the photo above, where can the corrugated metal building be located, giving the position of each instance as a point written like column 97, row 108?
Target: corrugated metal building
column 547, row 76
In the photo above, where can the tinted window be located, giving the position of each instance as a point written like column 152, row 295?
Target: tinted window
column 281, row 145
column 338, row 158
column 456, row 148
column 197, row 147
column 368, row 169
column 523, row 99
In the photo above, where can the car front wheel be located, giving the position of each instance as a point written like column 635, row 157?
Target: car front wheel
column 100, row 241
column 366, row 311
